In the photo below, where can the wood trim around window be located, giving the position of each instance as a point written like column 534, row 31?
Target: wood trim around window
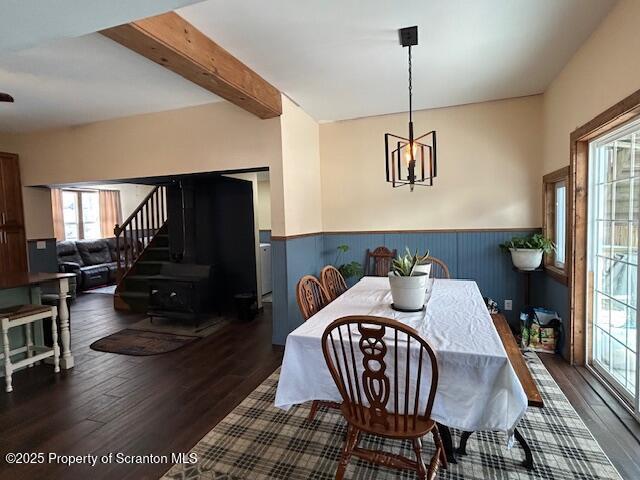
column 580, row 286
column 549, row 182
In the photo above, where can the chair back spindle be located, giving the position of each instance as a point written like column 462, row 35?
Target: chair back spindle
column 333, row 282
column 378, row 262
column 311, row 296
column 439, row 269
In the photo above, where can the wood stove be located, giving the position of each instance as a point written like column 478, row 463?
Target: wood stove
column 181, row 291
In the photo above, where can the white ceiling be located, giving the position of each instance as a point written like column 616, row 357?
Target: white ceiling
column 86, row 79
column 341, row 59
column 337, row 58
column 26, row 23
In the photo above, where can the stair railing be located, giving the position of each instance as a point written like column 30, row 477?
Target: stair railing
column 137, row 231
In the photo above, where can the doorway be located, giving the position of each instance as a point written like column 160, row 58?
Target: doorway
column 612, row 257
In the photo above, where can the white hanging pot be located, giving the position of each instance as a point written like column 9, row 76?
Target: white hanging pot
column 408, row 293
column 526, row 258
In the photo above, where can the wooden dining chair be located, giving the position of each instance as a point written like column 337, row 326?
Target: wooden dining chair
column 439, row 269
column 333, row 282
column 383, row 393
column 378, row 262
column 312, row 297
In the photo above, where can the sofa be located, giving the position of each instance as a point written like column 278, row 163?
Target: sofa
column 92, row 261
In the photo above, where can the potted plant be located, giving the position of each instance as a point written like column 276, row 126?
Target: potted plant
column 350, row 269
column 526, row 252
column 407, row 284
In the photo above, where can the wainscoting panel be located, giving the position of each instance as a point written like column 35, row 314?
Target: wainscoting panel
column 471, row 255
column 290, row 260
column 440, row 245
column 358, row 244
column 480, row 259
column 280, row 305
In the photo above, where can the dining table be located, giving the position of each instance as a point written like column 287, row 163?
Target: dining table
column 477, row 388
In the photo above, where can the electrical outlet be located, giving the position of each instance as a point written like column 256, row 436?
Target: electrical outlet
column 508, row 305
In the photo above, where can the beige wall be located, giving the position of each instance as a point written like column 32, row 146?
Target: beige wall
column 36, row 201
column 295, row 184
column 131, row 195
column 38, row 221
column 603, row 71
column 206, row 138
column 489, row 173
column 212, row 137
column 264, row 205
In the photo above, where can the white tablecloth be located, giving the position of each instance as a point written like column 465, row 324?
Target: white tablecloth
column 477, row 389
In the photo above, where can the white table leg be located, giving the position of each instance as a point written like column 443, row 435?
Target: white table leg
column 66, row 361
column 8, row 370
column 54, row 337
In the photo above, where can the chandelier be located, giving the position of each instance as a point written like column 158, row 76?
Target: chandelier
column 410, row 161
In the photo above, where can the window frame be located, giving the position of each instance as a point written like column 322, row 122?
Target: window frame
column 549, row 183
column 80, row 218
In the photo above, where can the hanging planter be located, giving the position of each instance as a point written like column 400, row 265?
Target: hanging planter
column 527, row 252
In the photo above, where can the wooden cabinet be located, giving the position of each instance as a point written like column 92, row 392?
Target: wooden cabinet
column 11, row 191
column 13, row 245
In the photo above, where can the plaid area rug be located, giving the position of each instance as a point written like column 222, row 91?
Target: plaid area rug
column 259, row 441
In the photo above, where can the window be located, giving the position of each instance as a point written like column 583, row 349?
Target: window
column 556, row 206
column 81, row 214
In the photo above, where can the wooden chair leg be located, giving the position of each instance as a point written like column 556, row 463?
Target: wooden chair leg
column 352, row 441
column 440, row 447
column 420, row 466
column 314, row 409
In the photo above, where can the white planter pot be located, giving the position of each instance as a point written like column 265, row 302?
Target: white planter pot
column 526, row 258
column 426, row 269
column 408, row 292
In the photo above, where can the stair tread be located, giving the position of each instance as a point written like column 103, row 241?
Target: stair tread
column 133, row 294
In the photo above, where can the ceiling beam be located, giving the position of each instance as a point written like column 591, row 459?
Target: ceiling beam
column 171, row 41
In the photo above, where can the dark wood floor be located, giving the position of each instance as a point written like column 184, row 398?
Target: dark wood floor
column 166, row 403
column 617, row 432
column 135, row 405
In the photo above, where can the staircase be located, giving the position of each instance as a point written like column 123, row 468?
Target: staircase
column 143, row 243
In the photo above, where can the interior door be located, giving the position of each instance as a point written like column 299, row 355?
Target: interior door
column 11, row 202
column 614, row 219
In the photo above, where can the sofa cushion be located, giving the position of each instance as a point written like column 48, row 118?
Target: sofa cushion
column 67, row 252
column 94, row 252
column 95, row 276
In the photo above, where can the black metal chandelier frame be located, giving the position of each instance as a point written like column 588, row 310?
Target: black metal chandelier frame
column 413, row 160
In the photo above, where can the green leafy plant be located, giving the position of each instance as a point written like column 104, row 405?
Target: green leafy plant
column 348, row 270
column 537, row 241
column 404, row 265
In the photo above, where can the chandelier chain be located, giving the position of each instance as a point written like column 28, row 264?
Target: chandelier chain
column 410, row 88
